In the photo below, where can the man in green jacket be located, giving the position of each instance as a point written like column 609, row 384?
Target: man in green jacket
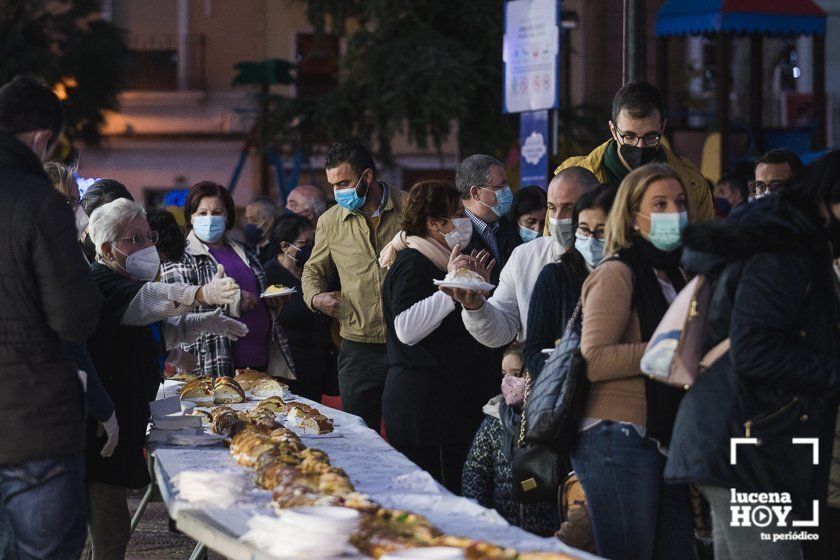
column 637, row 125
column 348, row 240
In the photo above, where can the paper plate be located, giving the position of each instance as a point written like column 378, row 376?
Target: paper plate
column 281, row 293
column 477, row 286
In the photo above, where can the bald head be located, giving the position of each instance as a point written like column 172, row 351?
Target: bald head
column 307, row 201
column 565, row 188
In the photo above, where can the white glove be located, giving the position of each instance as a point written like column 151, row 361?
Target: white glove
column 181, row 360
column 112, row 430
column 216, row 323
column 221, row 290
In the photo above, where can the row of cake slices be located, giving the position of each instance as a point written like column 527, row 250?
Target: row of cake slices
column 231, row 390
column 298, row 475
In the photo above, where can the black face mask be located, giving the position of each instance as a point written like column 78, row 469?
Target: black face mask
column 637, row 156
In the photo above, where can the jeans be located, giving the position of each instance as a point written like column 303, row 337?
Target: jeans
column 44, row 503
column 744, row 543
column 635, row 515
column 361, row 379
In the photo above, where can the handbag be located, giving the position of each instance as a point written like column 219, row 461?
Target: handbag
column 559, row 393
column 533, row 466
column 674, row 352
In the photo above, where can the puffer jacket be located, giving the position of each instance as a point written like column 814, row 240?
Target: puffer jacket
column 774, row 298
column 48, row 298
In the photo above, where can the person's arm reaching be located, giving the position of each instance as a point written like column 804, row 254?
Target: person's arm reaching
column 421, row 319
column 185, row 329
column 496, row 323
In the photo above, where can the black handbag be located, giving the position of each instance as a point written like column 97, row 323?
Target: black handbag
column 534, row 467
column 559, row 393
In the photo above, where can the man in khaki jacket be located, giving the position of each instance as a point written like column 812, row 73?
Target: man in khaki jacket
column 348, row 239
column 637, row 125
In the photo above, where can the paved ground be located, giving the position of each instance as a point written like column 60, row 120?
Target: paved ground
column 152, row 540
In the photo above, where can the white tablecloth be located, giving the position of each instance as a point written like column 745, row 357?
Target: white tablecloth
column 374, row 467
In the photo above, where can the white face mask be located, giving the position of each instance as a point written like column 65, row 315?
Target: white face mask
column 561, row 231
column 461, row 234
column 142, row 265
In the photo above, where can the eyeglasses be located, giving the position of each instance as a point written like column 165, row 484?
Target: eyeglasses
column 760, row 187
column 584, row 233
column 632, row 139
column 138, row 239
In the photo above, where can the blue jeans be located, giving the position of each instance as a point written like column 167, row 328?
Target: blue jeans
column 634, row 514
column 44, row 503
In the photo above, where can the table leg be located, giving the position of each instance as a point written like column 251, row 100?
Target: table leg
column 135, row 520
column 200, row 551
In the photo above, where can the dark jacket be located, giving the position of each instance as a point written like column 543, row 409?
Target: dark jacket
column 488, row 478
column 126, row 360
column 48, row 298
column 507, row 239
column 553, row 300
column 774, row 298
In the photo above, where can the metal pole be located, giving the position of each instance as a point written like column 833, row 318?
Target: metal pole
column 634, row 63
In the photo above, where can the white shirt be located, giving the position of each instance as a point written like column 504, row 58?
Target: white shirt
column 504, row 316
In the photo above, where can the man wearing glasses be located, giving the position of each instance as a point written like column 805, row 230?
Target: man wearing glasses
column 487, row 199
column 775, row 170
column 637, row 125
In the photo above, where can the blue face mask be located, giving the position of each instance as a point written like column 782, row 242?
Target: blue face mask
column 527, row 234
column 209, row 228
column 666, row 230
column 504, row 200
column 349, row 198
column 591, row 249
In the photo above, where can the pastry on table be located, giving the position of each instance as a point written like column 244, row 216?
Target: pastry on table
column 273, row 404
column 316, row 423
column 269, row 387
column 227, row 391
column 199, row 389
column 181, row 376
column 247, row 377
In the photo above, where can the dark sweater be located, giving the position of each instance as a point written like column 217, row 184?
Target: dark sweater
column 553, row 300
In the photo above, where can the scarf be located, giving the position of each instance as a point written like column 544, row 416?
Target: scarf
column 428, row 247
column 650, row 305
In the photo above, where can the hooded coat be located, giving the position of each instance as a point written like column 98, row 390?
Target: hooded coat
column 775, row 299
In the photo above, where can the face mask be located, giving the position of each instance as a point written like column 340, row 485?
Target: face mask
column 301, row 255
column 82, row 221
column 504, row 200
column 461, row 234
column 527, row 234
column 143, row 264
column 666, row 229
column 591, row 249
column 637, row 156
column 561, row 231
column 209, row 228
column 349, row 198
column 253, row 234
column 513, row 390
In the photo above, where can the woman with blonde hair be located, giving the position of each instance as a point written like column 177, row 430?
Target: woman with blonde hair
column 620, row 453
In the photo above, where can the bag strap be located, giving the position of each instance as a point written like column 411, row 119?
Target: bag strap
column 522, row 424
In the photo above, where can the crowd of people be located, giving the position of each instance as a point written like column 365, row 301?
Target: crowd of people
column 102, row 295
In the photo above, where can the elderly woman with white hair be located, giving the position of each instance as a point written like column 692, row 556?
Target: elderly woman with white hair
column 125, row 357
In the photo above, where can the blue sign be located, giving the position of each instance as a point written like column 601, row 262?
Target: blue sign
column 533, row 148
